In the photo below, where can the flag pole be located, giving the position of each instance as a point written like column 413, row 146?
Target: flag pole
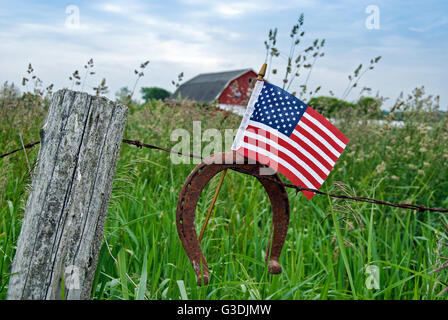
column 260, row 77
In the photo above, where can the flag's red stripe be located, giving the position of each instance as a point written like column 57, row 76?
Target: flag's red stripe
column 279, row 168
column 321, row 133
column 286, row 158
column 288, row 146
column 311, row 150
column 316, row 115
column 318, row 144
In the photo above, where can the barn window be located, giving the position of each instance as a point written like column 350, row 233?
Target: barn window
column 250, row 80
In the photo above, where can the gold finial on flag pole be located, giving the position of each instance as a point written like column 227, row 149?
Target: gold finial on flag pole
column 261, row 75
column 262, row 72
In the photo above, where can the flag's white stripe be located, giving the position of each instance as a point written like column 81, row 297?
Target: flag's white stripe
column 280, row 161
column 320, row 138
column 246, row 118
column 288, row 152
column 298, row 147
column 314, row 147
column 324, row 129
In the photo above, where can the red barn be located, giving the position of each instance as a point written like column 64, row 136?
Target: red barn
column 229, row 87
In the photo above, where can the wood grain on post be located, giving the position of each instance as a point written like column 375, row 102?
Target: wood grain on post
column 61, row 235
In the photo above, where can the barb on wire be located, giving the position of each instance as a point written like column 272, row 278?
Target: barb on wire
column 149, row 146
column 140, row 144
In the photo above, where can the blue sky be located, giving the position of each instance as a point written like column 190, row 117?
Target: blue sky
column 197, row 36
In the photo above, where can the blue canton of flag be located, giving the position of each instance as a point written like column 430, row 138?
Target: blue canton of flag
column 288, row 136
column 278, row 109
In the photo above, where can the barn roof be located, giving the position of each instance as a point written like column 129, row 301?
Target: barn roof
column 207, row 87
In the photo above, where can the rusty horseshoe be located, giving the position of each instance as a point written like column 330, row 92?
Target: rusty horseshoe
column 191, row 191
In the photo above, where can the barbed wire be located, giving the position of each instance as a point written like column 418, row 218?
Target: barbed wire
column 29, row 145
column 139, row 144
column 149, row 146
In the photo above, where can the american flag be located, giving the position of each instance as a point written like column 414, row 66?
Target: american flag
column 288, row 136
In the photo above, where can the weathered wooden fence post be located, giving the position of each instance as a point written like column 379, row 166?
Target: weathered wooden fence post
column 64, row 218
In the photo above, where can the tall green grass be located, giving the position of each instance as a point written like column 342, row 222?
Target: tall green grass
column 329, row 242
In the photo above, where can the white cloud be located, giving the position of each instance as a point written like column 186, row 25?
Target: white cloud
column 108, row 7
column 227, row 10
column 237, row 8
column 118, row 47
column 431, row 26
column 205, row 36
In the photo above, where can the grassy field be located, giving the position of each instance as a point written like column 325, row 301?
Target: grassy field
column 329, row 242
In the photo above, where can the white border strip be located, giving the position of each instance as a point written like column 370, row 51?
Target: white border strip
column 246, row 118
